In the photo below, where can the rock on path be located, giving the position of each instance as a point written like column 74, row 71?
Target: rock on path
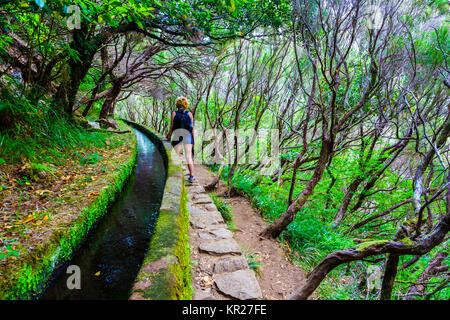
column 223, row 246
column 241, row 284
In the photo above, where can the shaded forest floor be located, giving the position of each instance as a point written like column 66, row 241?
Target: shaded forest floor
column 278, row 276
column 37, row 199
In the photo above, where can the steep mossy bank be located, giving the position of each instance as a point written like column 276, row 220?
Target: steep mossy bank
column 81, row 189
column 165, row 271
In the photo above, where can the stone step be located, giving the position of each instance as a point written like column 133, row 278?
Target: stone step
column 215, row 234
column 240, row 284
column 201, row 219
column 196, row 189
column 205, row 224
column 220, row 247
column 230, row 264
column 201, row 198
column 210, row 207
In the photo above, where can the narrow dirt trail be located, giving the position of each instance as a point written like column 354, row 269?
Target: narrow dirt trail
column 279, row 277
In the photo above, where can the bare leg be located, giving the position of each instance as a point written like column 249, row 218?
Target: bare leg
column 190, row 163
column 178, row 149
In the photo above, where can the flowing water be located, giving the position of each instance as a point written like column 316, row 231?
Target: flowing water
column 110, row 258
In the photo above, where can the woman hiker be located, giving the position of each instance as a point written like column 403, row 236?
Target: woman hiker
column 182, row 126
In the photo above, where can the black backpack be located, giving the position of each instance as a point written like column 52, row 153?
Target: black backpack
column 182, row 120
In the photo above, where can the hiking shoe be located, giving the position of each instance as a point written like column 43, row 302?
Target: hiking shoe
column 191, row 179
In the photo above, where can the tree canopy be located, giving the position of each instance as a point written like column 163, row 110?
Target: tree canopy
column 354, row 93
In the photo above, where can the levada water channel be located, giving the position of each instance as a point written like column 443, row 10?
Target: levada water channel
column 111, row 256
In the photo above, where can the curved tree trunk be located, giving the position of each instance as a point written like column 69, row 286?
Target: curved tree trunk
column 109, row 102
column 294, row 175
column 392, row 247
column 389, row 276
column 288, row 216
column 213, row 184
column 65, row 96
column 348, row 197
column 395, row 248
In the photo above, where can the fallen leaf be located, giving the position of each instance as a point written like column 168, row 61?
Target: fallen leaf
column 41, row 192
column 28, row 220
column 92, row 195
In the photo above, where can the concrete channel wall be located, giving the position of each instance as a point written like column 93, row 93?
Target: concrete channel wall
column 165, row 271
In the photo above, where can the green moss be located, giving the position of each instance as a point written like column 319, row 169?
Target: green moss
column 164, row 236
column 29, row 278
column 174, row 170
column 183, row 269
column 406, row 241
column 367, row 244
column 161, row 288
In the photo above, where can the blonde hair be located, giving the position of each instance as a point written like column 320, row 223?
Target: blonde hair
column 182, row 102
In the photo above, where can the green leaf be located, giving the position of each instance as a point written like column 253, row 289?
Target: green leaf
column 14, row 253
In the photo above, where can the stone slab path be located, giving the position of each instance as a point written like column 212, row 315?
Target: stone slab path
column 220, row 270
column 216, row 262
